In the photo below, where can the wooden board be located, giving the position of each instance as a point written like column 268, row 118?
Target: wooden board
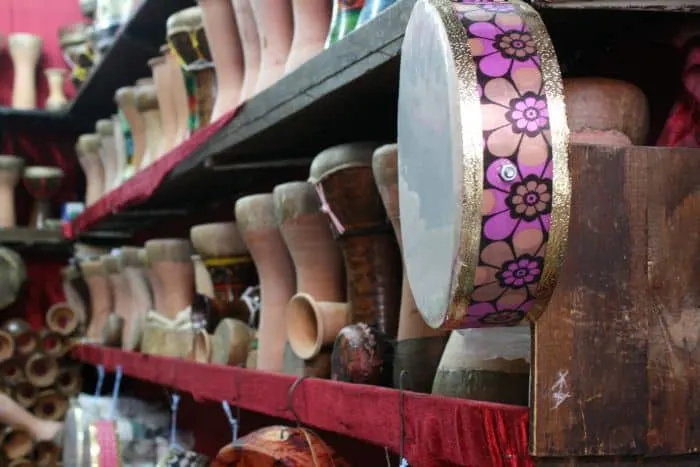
column 617, row 352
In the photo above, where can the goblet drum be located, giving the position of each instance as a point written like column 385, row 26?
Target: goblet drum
column 10, row 172
column 42, row 183
column 25, row 50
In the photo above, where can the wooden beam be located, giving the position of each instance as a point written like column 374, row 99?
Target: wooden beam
column 617, row 352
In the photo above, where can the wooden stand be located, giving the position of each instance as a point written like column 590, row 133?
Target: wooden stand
column 617, row 352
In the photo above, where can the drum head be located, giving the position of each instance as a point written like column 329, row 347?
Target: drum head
column 483, row 176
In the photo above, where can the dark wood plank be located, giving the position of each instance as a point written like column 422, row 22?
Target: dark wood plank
column 692, row 460
column 615, row 353
column 681, row 6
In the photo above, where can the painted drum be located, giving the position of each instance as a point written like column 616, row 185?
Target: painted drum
column 484, row 186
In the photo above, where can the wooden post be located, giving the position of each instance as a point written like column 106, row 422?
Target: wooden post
column 617, row 352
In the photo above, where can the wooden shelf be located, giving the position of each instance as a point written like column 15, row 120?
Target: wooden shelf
column 126, row 61
column 465, row 437
column 27, row 236
column 346, row 93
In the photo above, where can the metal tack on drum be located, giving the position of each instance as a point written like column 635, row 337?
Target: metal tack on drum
column 484, row 186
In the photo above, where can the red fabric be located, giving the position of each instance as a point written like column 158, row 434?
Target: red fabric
column 142, row 185
column 682, row 128
column 439, row 431
column 44, row 19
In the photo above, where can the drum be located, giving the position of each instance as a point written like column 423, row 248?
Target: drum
column 25, row 339
column 10, row 173
column 42, row 183
column 486, row 214
column 13, row 273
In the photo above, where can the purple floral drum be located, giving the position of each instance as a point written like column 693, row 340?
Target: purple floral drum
column 484, row 186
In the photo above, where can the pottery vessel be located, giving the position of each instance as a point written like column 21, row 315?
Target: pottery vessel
column 108, row 153
column 606, row 111
column 250, row 43
column 178, row 93
column 51, row 405
column 418, row 347
column 25, row 394
column 62, row 319
column 48, row 454
column 275, row 26
column 53, row 344
column 42, row 183
column 279, row 445
column 25, row 339
column 122, row 296
column 316, row 367
column 13, row 274
column 345, row 184
column 172, row 269
column 56, row 78
column 230, row 342
column 134, row 271
column 166, row 103
column 88, row 150
column 10, row 173
column 188, row 42
column 77, row 299
column 41, row 370
column 25, row 51
column 311, row 23
column 132, row 128
column 346, row 13
column 313, row 317
column 17, row 443
column 230, row 268
column 372, row 9
column 12, row 371
column 224, row 42
column 255, row 217
column 7, row 346
column 69, row 381
column 101, row 301
column 147, row 105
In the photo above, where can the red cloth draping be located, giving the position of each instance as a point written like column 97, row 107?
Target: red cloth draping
column 682, row 128
column 440, row 431
column 142, row 185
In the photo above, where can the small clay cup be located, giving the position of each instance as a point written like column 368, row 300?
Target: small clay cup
column 25, row 394
column 62, row 319
column 7, row 346
column 69, row 381
column 41, row 370
column 17, row 444
column 26, row 340
column 313, row 324
column 51, row 406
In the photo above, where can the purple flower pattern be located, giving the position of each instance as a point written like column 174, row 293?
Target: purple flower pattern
column 516, row 211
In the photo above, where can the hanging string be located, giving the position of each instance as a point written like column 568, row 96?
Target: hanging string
column 100, row 380
column 231, row 420
column 174, row 405
column 115, row 392
column 327, row 209
column 402, row 423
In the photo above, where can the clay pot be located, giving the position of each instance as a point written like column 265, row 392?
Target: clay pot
column 147, row 105
column 487, row 364
column 372, row 9
column 101, row 301
column 75, row 291
column 231, row 342
column 62, row 319
column 42, row 183
column 255, row 216
column 172, row 269
column 230, row 268
column 225, row 45
column 69, row 381
column 203, row 285
column 345, row 17
column 606, row 111
column 88, row 150
column 134, row 271
column 311, row 22
column 25, row 394
column 120, row 150
column 13, row 273
column 316, row 367
column 56, row 78
column 53, row 344
column 278, row 445
column 201, row 347
column 344, row 180
column 275, row 26
column 113, row 330
column 7, row 346
column 108, row 153
column 178, row 96
column 48, row 454
column 12, row 371
column 51, row 406
column 10, row 173
column 133, row 128
column 419, row 347
column 25, row 51
column 41, row 370
column 17, row 444
column 312, row 325
column 189, row 43
column 166, row 103
column 250, row 43
column 25, row 339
